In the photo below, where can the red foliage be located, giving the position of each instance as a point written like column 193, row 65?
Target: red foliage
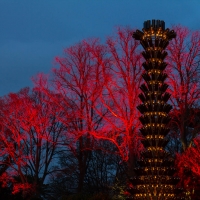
column 99, row 84
column 94, row 94
column 183, row 65
column 183, row 69
column 29, row 136
column 190, row 159
column 77, row 86
column 188, row 165
column 122, row 74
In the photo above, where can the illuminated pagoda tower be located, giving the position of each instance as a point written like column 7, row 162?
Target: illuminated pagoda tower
column 154, row 180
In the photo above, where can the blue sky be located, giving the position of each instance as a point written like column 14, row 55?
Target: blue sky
column 33, row 32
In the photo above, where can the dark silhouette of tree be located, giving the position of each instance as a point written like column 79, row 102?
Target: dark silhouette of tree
column 104, row 168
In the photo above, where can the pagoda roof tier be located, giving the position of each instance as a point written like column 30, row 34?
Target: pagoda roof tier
column 156, row 162
column 154, row 75
column 142, row 198
column 153, row 179
column 154, row 131
column 152, row 53
column 152, row 98
column 154, row 107
column 155, row 142
column 145, row 189
column 156, row 65
column 159, row 153
column 155, row 86
column 155, row 171
column 155, row 30
column 154, row 45
column 155, row 120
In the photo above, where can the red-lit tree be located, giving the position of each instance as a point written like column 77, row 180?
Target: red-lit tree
column 78, row 82
column 97, row 89
column 98, row 86
column 30, row 133
column 183, row 61
column 188, row 164
column 120, row 94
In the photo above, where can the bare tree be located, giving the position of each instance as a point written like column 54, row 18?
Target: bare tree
column 30, row 137
column 120, row 94
column 78, row 82
column 183, row 61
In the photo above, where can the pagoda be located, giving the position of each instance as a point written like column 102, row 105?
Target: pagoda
column 154, row 178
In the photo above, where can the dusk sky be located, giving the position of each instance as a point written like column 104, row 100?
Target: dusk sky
column 33, row 32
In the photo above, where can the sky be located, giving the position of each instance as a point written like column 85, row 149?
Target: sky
column 34, row 32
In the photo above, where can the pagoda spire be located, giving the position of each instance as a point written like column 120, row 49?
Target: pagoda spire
column 154, row 180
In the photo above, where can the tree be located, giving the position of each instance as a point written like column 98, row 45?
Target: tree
column 30, row 138
column 188, row 164
column 103, row 173
column 183, row 64
column 122, row 70
column 78, row 83
column 183, row 61
column 97, row 86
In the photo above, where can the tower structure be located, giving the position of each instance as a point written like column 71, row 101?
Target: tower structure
column 154, row 180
